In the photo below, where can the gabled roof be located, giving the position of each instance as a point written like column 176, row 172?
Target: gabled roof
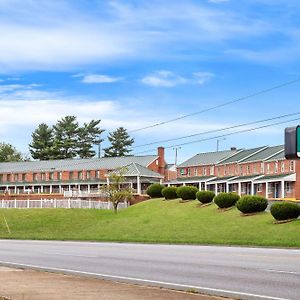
column 265, row 154
column 277, row 156
column 135, row 169
column 107, row 163
column 242, row 155
column 208, row 158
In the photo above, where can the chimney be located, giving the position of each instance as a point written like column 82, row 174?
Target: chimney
column 161, row 160
column 233, row 148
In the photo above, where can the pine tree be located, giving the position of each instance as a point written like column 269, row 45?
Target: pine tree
column 41, row 146
column 9, row 153
column 89, row 135
column 66, row 140
column 120, row 142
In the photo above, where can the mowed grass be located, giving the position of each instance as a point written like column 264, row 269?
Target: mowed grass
column 153, row 221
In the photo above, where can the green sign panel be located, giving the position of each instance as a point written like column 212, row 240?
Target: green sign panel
column 298, row 141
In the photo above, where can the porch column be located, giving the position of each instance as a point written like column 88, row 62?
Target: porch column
column 161, row 181
column 227, row 187
column 24, row 189
column 282, row 189
column 60, row 189
column 32, row 189
column 78, row 187
column 107, row 181
column 89, row 188
column 138, row 184
column 15, row 189
column 252, row 188
column 50, row 189
column 42, row 188
column 183, row 184
column 69, row 187
column 168, row 184
column 216, row 188
column 267, row 190
column 239, row 188
column 205, row 186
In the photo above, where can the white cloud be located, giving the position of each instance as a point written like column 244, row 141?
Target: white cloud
column 97, row 78
column 163, row 79
column 14, row 87
column 203, row 77
column 218, row 1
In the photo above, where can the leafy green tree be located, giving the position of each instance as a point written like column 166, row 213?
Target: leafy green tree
column 66, row 138
column 9, row 153
column 41, row 146
column 89, row 135
column 116, row 191
column 120, row 143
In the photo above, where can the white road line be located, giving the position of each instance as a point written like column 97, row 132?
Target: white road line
column 71, row 254
column 161, row 283
column 286, row 272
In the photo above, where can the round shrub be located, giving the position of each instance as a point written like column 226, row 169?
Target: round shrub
column 154, row 190
column 205, row 196
column 187, row 192
column 225, row 200
column 251, row 204
column 169, row 192
column 285, row 211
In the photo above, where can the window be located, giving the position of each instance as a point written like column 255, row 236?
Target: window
column 243, row 188
column 282, row 167
column 16, row 177
column 204, row 171
column 237, row 170
column 182, row 172
column 270, row 188
column 23, row 177
column 241, row 170
column 288, row 187
column 254, row 169
column 248, row 169
column 196, row 171
column 80, row 175
column 8, row 177
column 292, row 165
column 35, row 176
column 59, row 175
column 71, row 175
column 98, row 174
column 276, row 167
column 43, row 176
column 88, row 175
column 212, row 170
column 262, row 168
column 224, row 171
column 1, row 177
column 51, row 175
column 156, row 162
column 268, row 168
column 259, row 187
column 188, row 172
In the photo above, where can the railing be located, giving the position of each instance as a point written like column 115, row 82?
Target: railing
column 58, row 203
column 91, row 193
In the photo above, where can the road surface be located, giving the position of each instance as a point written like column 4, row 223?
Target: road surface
column 238, row 272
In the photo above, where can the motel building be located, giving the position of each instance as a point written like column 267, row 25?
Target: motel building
column 80, row 175
column 263, row 171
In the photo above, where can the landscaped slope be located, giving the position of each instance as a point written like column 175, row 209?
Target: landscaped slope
column 154, row 221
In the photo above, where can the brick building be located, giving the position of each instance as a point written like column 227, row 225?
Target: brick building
column 262, row 170
column 57, row 176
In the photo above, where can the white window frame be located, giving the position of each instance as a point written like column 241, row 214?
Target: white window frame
column 292, row 166
column 276, row 167
column 259, row 187
column 282, row 167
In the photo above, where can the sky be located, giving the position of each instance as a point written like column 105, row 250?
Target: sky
column 137, row 63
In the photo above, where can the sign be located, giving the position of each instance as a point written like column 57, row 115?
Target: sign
column 292, row 143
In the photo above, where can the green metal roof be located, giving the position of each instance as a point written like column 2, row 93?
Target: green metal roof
column 245, row 178
column 272, row 177
column 135, row 169
column 265, row 154
column 208, row 158
column 278, row 156
column 241, row 155
column 195, row 178
column 107, row 163
column 221, row 179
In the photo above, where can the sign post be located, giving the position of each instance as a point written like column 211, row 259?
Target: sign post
column 292, row 142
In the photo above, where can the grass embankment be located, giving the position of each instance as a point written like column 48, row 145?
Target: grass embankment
column 153, row 221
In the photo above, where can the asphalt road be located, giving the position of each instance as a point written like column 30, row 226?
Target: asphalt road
column 238, row 272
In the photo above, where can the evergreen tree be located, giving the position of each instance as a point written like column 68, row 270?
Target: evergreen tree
column 66, row 140
column 89, row 135
column 9, row 153
column 41, row 146
column 120, row 142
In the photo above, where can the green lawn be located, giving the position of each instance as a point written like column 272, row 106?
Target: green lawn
column 153, row 221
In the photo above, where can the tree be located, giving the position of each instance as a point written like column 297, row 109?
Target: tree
column 120, row 142
column 9, row 153
column 41, row 146
column 89, row 135
column 115, row 191
column 66, row 138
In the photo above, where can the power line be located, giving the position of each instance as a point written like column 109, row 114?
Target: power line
column 223, row 135
column 219, row 105
column 217, row 130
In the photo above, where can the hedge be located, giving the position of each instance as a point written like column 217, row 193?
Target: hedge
column 285, row 211
column 154, row 190
column 251, row 204
column 169, row 192
column 225, row 200
column 187, row 192
column 205, row 196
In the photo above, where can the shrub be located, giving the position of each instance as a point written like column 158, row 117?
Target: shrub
column 252, row 204
column 285, row 211
column 205, row 196
column 169, row 192
column 154, row 190
column 225, row 200
column 187, row 192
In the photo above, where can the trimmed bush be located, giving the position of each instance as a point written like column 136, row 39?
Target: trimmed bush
column 285, row 210
column 187, row 192
column 154, row 190
column 205, row 196
column 169, row 192
column 251, row 204
column 225, row 200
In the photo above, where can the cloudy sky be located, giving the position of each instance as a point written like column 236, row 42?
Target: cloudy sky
column 138, row 63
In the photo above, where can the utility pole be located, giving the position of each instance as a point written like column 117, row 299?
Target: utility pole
column 218, row 141
column 176, row 153
column 98, row 142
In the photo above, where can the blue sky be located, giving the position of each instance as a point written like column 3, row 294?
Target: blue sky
column 137, row 63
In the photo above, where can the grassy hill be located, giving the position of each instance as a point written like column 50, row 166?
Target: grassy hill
column 153, row 221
